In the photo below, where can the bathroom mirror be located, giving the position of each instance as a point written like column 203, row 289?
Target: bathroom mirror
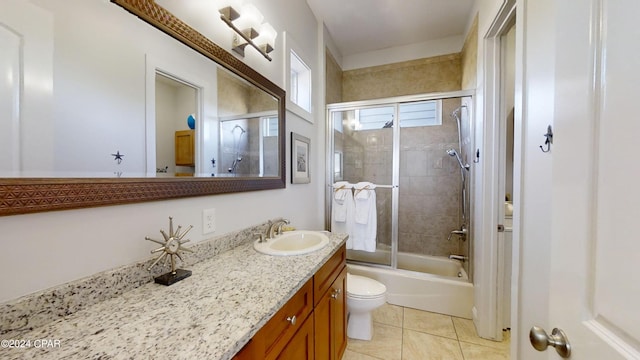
column 129, row 168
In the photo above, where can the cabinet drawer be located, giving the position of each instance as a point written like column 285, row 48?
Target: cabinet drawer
column 301, row 346
column 323, row 279
column 278, row 331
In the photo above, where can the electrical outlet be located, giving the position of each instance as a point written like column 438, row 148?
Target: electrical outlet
column 208, row 221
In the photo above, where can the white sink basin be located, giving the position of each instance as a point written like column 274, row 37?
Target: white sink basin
column 293, row 243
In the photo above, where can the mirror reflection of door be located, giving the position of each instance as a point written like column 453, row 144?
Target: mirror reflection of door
column 176, row 114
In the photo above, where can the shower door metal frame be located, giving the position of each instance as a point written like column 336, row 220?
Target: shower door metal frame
column 395, row 175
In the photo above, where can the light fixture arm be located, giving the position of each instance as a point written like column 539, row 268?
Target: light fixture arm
column 240, row 49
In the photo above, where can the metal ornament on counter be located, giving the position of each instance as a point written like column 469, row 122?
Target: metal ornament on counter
column 171, row 247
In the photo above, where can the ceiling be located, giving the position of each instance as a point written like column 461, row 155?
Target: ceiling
column 360, row 26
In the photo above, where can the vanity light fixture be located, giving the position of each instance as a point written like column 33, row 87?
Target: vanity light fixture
column 246, row 21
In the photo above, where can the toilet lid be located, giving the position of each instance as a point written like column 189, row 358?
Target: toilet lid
column 361, row 286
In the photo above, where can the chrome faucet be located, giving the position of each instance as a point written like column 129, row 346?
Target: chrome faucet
column 462, row 232
column 459, row 257
column 275, row 227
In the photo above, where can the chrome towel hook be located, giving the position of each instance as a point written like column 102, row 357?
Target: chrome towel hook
column 548, row 141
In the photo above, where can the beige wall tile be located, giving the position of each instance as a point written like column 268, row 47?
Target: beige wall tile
column 333, row 86
column 470, row 57
column 440, row 73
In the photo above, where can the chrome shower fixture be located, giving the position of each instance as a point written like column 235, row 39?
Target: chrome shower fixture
column 453, row 152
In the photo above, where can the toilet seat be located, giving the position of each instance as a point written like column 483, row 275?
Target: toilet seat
column 360, row 287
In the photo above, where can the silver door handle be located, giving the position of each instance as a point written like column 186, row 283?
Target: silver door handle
column 558, row 339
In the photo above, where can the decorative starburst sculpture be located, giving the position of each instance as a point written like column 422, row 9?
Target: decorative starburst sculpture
column 171, row 247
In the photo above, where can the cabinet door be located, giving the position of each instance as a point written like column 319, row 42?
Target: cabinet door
column 330, row 318
column 339, row 316
column 251, row 351
column 301, row 345
column 184, row 142
column 322, row 323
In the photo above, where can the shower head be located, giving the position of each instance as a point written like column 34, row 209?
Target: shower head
column 453, row 152
column 239, row 127
column 457, row 111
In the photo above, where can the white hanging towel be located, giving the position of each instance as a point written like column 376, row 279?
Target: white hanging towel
column 342, row 208
column 365, row 227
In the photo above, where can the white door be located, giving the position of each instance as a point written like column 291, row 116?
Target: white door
column 580, row 203
column 26, row 89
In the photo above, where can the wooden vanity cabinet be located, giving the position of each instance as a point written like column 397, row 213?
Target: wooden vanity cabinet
column 320, row 327
column 330, row 312
column 185, row 148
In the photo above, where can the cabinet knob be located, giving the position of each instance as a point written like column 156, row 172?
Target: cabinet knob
column 336, row 293
column 292, row 319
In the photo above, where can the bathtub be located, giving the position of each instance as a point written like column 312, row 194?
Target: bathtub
column 433, row 283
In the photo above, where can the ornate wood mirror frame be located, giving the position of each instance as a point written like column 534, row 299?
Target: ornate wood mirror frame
column 29, row 195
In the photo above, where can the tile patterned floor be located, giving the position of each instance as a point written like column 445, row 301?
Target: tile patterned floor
column 401, row 333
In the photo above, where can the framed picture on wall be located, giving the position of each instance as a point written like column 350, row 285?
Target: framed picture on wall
column 300, row 147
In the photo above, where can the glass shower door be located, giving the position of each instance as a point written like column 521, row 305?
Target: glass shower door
column 363, row 150
column 413, row 149
column 430, row 184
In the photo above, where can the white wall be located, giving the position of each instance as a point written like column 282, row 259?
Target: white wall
column 46, row 249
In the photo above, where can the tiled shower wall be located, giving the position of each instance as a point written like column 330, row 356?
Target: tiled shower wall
column 430, row 187
column 430, row 182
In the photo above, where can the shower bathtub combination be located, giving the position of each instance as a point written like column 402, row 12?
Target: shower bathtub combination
column 424, row 282
column 415, row 149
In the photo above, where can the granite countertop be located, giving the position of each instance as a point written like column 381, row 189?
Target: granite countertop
column 210, row 315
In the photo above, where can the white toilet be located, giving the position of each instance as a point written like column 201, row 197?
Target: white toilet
column 363, row 296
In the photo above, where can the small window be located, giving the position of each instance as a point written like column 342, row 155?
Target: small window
column 413, row 114
column 421, row 113
column 298, row 79
column 374, row 118
column 300, row 91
